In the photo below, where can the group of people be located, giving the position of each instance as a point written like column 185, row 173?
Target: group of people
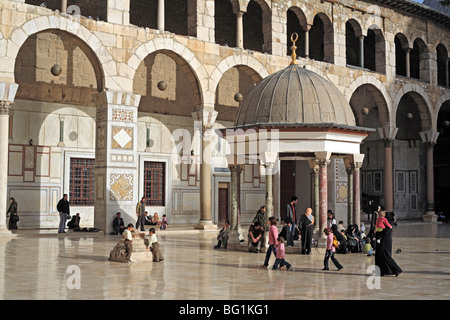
column 129, row 233
column 338, row 238
column 143, row 217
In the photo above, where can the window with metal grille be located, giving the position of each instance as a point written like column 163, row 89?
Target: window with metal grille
column 154, row 183
column 82, row 183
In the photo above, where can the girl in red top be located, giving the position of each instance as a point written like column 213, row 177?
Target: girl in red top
column 329, row 253
column 273, row 235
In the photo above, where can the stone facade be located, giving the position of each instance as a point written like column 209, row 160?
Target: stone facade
column 107, row 55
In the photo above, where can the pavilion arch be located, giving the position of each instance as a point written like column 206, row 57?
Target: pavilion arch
column 168, row 44
column 90, row 41
column 381, row 98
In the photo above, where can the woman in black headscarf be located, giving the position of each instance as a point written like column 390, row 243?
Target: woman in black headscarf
column 383, row 254
column 13, row 216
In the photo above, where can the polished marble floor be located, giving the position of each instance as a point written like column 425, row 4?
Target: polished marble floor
column 41, row 265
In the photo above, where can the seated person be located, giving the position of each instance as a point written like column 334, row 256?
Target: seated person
column 255, row 237
column 148, row 219
column 164, row 223
column 222, row 238
column 74, row 222
column 155, row 219
column 118, row 224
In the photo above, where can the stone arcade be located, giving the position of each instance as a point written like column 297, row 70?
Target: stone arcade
column 102, row 130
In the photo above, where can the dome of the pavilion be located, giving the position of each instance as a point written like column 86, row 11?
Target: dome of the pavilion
column 295, row 96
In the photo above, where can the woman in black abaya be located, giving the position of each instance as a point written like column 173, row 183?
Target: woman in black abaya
column 383, row 258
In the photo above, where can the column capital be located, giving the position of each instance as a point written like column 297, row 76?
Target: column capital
column 5, row 107
column 429, row 137
column 206, row 117
column 105, row 98
column 323, row 158
column 388, row 133
column 353, row 161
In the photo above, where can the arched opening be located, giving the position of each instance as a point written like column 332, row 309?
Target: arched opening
column 441, row 159
column 375, row 50
column 239, row 79
column 225, row 23
column 352, row 43
column 401, row 44
column 182, row 95
column 321, row 39
column 371, row 111
column 257, row 23
column 412, row 117
column 416, row 58
column 52, row 127
column 296, row 22
column 442, row 65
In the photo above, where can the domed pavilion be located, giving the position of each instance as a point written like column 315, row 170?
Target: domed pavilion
column 296, row 114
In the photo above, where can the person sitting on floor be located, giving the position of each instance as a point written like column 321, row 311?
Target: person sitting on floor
column 222, row 238
column 74, row 222
column 255, row 237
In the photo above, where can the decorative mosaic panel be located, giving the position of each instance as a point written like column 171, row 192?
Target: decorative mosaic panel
column 121, row 187
column 122, row 138
column 100, row 137
column 341, row 192
column 122, row 115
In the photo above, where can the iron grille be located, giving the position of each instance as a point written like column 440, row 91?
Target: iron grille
column 82, row 183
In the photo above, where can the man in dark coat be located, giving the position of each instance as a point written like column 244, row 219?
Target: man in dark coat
column 63, row 208
column 290, row 221
column 118, row 224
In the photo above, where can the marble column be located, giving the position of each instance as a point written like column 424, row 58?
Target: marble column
column 116, row 163
column 7, row 94
column 357, row 164
column 388, row 134
column 361, row 51
column 235, row 170
column 429, row 138
column 307, row 28
column 323, row 160
column 240, row 30
column 160, row 20
column 408, row 62
column 206, row 118
column 349, row 170
column 64, row 6
column 314, row 169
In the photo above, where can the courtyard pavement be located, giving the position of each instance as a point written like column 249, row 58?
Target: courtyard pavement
column 44, row 265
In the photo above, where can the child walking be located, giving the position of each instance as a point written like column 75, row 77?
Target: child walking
column 329, row 253
column 273, row 235
column 281, row 255
column 153, row 245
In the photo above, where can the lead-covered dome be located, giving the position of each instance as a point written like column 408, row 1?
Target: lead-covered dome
column 295, row 96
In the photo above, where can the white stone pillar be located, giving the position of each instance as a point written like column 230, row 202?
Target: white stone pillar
column 7, row 94
column 161, row 16
column 307, row 28
column 234, row 237
column 206, row 119
column 240, row 30
column 64, row 6
column 408, row 62
column 361, row 51
column 116, row 163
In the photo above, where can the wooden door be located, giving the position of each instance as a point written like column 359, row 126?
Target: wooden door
column 223, row 205
column 287, row 184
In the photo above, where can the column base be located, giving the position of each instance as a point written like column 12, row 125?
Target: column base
column 205, row 225
column 234, row 237
column 430, row 216
column 5, row 232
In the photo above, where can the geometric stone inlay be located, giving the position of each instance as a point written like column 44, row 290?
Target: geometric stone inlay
column 121, row 187
column 122, row 115
column 122, row 138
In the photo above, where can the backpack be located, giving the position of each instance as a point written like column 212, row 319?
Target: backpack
column 335, row 242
